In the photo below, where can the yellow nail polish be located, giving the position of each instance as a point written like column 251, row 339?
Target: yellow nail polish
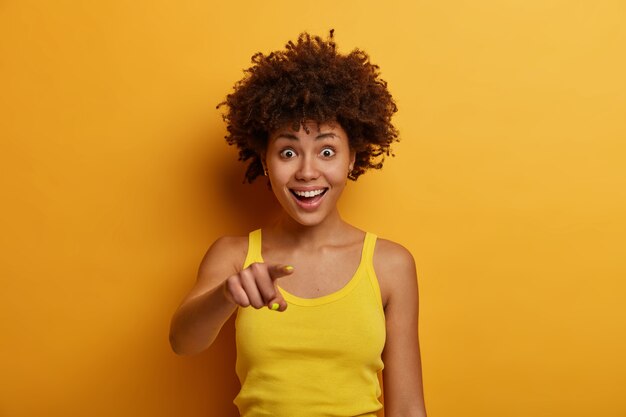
column 275, row 306
column 289, row 268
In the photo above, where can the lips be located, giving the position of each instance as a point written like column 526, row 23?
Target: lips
column 308, row 199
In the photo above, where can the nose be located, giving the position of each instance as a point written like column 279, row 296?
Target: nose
column 307, row 170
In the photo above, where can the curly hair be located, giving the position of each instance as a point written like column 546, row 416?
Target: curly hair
column 310, row 80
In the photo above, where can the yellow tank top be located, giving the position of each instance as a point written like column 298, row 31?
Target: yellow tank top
column 321, row 356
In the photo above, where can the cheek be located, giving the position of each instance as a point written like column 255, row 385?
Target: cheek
column 278, row 179
column 338, row 175
column 276, row 170
column 343, row 168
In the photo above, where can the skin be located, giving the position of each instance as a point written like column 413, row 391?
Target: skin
column 316, row 242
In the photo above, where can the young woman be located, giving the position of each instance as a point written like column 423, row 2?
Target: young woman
column 322, row 306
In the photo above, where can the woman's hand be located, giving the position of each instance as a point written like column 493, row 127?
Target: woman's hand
column 256, row 286
column 204, row 310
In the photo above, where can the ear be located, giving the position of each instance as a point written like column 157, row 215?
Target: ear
column 263, row 165
column 352, row 159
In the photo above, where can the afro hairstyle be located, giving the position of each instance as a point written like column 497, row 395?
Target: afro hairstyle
column 310, row 80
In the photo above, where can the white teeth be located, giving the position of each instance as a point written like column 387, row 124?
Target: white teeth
column 308, row 193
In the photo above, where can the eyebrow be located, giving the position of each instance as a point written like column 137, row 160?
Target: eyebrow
column 291, row 136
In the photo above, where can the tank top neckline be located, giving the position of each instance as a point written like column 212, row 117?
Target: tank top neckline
column 328, row 298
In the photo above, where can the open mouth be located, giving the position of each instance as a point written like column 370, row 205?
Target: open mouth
column 310, row 196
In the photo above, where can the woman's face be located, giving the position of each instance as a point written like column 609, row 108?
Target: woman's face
column 308, row 171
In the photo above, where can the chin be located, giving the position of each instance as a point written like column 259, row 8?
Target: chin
column 307, row 220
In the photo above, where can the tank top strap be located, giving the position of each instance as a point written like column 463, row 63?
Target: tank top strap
column 368, row 258
column 254, row 248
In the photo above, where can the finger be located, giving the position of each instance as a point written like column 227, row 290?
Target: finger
column 264, row 282
column 233, row 287
column 277, row 271
column 278, row 303
column 248, row 281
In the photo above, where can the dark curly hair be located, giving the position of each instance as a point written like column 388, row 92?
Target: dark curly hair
column 310, row 80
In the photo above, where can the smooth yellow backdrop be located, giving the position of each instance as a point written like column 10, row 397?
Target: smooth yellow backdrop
column 508, row 187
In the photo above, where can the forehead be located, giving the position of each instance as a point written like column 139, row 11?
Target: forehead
column 310, row 129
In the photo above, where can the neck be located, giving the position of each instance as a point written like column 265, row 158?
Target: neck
column 294, row 233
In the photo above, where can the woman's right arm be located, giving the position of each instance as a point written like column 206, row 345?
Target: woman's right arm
column 204, row 310
column 221, row 287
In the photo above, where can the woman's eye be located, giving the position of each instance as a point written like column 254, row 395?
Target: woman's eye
column 287, row 153
column 327, row 152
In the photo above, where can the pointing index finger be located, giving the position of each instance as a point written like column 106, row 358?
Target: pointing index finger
column 277, row 271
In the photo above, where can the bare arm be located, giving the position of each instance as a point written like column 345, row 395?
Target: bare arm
column 402, row 374
column 222, row 286
column 204, row 310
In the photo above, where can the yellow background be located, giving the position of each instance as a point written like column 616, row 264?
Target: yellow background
column 508, row 187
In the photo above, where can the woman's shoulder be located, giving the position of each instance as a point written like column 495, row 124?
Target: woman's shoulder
column 226, row 252
column 394, row 267
column 390, row 254
column 229, row 243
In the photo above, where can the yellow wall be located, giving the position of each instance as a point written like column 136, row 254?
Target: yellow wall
column 508, row 186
